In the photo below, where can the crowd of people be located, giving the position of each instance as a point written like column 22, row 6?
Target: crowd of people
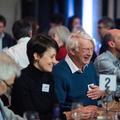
column 39, row 71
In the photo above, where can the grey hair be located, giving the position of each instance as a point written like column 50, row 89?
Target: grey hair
column 62, row 32
column 8, row 67
column 73, row 42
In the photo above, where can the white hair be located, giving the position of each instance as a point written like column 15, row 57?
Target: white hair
column 62, row 32
column 73, row 42
column 8, row 67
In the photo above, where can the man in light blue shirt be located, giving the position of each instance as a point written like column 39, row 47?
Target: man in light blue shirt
column 109, row 61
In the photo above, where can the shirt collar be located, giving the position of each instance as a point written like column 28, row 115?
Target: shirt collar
column 2, row 35
column 72, row 66
column 112, row 56
column 23, row 39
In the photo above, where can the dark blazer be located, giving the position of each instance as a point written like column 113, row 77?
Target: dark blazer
column 8, row 41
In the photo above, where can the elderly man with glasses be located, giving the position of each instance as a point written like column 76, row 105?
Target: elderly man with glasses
column 8, row 71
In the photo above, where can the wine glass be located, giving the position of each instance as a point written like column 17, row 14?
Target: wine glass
column 107, row 101
column 117, row 96
column 75, row 114
column 31, row 115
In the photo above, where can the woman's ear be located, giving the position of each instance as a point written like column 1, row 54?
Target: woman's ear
column 36, row 56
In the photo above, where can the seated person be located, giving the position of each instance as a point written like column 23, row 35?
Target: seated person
column 34, row 89
column 109, row 62
column 8, row 71
column 6, row 39
column 75, row 73
column 60, row 34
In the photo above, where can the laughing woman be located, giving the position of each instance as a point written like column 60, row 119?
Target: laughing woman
column 34, row 89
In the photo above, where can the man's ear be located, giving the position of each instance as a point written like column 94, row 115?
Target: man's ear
column 72, row 51
column 111, row 43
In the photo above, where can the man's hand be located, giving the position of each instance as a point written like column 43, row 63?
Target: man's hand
column 86, row 113
column 95, row 92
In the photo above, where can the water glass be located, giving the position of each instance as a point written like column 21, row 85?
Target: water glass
column 31, row 115
column 75, row 114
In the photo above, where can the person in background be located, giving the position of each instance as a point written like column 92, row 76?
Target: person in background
column 22, row 32
column 56, row 20
column 75, row 74
column 60, row 34
column 109, row 61
column 5, row 39
column 34, row 23
column 74, row 24
column 8, row 71
column 104, row 25
column 34, row 89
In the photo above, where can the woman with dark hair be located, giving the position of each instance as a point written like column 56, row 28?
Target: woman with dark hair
column 34, row 89
column 74, row 23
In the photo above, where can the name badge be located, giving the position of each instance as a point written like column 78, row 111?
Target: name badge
column 45, row 87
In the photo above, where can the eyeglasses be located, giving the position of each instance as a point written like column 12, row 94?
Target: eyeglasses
column 9, row 86
column 85, row 50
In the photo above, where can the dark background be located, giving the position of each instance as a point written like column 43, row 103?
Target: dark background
column 42, row 10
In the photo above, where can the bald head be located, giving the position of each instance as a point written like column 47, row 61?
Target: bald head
column 115, row 33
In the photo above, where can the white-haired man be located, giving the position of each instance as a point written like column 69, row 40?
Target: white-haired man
column 75, row 74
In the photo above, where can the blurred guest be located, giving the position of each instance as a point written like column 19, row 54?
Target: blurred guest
column 8, row 71
column 75, row 74
column 5, row 39
column 34, row 89
column 22, row 32
column 34, row 23
column 56, row 20
column 109, row 62
column 104, row 24
column 60, row 34
column 74, row 23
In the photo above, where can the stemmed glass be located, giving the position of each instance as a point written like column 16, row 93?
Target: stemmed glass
column 31, row 115
column 75, row 114
column 107, row 101
column 117, row 96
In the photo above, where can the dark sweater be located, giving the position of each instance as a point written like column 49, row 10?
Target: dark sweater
column 8, row 41
column 72, row 87
column 27, row 93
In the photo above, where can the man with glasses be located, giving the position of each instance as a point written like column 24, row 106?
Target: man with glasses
column 104, row 24
column 75, row 75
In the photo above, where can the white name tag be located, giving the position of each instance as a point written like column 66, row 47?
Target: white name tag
column 45, row 87
column 107, row 81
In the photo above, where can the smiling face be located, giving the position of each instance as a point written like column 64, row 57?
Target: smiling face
column 46, row 61
column 83, row 55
